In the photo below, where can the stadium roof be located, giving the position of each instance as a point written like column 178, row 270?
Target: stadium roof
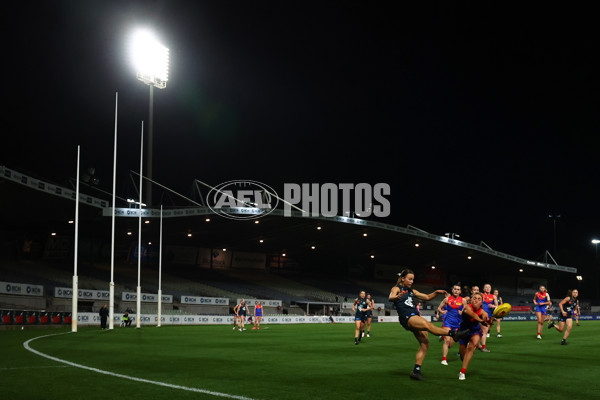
column 317, row 240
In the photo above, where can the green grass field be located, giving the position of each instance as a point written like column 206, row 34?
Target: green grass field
column 293, row 362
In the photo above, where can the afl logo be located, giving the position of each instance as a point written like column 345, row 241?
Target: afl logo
column 240, row 199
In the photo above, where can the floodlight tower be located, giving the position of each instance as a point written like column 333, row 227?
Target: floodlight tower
column 595, row 242
column 151, row 62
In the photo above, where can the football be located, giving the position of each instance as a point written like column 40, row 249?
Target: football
column 502, row 310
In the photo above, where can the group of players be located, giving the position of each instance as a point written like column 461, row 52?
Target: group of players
column 568, row 308
column 466, row 320
column 242, row 311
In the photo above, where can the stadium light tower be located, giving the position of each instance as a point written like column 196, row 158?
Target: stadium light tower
column 595, row 243
column 151, row 62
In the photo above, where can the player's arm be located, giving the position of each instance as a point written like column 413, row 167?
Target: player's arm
column 371, row 305
column 472, row 314
column 395, row 293
column 430, row 296
column 495, row 301
column 535, row 299
column 440, row 308
column 560, row 305
column 354, row 304
column 486, row 318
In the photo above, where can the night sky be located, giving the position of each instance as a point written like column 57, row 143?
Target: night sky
column 483, row 117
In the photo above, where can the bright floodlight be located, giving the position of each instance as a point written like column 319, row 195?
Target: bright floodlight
column 595, row 241
column 150, row 59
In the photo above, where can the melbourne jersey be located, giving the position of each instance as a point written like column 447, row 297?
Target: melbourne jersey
column 488, row 301
column 541, row 298
column 453, row 307
column 467, row 322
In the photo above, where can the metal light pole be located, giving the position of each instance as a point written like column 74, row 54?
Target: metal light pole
column 597, row 267
column 160, row 269
column 151, row 60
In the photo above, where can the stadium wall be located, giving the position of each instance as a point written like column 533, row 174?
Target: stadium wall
column 24, row 302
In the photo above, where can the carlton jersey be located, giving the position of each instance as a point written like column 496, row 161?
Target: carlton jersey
column 361, row 307
column 370, row 312
column 541, row 298
column 575, row 305
column 488, row 301
column 568, row 308
column 453, row 307
column 242, row 310
column 405, row 306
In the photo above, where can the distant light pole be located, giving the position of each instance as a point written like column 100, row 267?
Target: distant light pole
column 151, row 61
column 554, row 218
column 595, row 243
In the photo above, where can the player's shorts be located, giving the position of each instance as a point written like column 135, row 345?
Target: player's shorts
column 562, row 318
column 451, row 324
column 360, row 316
column 541, row 309
column 474, row 331
column 370, row 314
column 404, row 316
column 242, row 313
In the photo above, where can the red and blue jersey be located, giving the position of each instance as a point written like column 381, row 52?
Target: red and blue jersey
column 488, row 302
column 453, row 307
column 258, row 310
column 541, row 298
column 467, row 322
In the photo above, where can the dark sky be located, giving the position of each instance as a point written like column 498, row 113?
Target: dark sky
column 482, row 117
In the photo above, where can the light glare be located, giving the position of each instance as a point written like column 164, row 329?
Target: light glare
column 150, row 59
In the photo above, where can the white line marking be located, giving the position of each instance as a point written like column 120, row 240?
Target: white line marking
column 132, row 378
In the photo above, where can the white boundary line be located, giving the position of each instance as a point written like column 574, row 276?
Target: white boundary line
column 132, row 378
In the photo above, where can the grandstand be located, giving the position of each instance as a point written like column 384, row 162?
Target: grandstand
column 209, row 256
